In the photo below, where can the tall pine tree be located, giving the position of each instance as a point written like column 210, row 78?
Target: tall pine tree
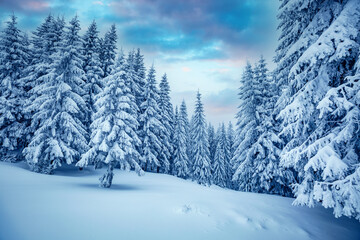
column 61, row 136
column 92, row 68
column 221, row 162
column 114, row 139
column 201, row 169
column 326, row 49
column 247, row 122
column 167, row 119
column 152, row 128
column 14, row 58
column 184, row 115
column 107, row 52
column 180, row 164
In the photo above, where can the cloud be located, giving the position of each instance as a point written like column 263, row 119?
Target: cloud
column 221, row 106
column 186, row 69
column 98, row 3
column 226, row 97
column 193, row 27
column 25, row 6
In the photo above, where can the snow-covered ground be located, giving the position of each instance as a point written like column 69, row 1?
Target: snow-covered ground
column 70, row 205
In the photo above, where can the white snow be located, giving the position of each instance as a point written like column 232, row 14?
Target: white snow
column 70, row 205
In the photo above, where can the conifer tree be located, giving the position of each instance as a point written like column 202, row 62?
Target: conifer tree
column 140, row 79
column 60, row 136
column 322, row 55
column 167, row 119
column 92, row 68
column 221, row 159
column 201, row 169
column 107, row 53
column 212, row 142
column 337, row 155
column 114, row 139
column 180, row 165
column 14, row 58
column 152, row 128
column 132, row 76
column 231, row 141
column 46, row 41
column 184, row 115
column 245, row 135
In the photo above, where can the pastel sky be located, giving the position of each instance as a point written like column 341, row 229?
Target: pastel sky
column 200, row 44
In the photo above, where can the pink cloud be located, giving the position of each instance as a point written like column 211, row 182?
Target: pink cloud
column 98, row 3
column 186, row 69
column 36, row 5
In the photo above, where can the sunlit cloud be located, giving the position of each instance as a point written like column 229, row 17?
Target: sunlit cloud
column 98, row 3
column 36, row 5
column 186, row 69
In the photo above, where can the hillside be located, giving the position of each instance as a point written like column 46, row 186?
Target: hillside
column 70, row 205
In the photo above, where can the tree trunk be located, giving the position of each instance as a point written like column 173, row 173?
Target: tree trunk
column 106, row 179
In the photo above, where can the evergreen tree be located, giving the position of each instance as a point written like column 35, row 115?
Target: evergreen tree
column 184, row 115
column 60, row 136
column 326, row 49
column 14, row 59
column 336, row 155
column 231, row 141
column 107, row 53
column 92, row 69
column 152, row 128
column 212, row 142
column 201, row 170
column 221, row 159
column 246, row 131
column 132, row 77
column 45, row 41
column 139, row 83
column 180, row 165
column 114, row 139
column 167, row 119
column 140, row 79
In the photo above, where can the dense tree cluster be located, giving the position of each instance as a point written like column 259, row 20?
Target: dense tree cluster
column 67, row 99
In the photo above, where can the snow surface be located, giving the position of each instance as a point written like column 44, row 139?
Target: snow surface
column 70, row 205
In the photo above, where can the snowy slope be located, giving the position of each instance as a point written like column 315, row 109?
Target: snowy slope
column 70, row 205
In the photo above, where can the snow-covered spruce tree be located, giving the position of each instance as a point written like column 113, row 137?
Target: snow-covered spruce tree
column 167, row 119
column 184, row 115
column 130, row 69
column 294, row 17
column 180, row 164
column 329, row 46
column 139, row 82
column 336, row 154
column 45, row 42
column 107, row 51
column 245, row 132
column 221, row 164
column 231, row 141
column 114, row 139
column 201, row 169
column 140, row 79
column 212, row 142
column 152, row 128
column 14, row 58
column 92, row 68
column 61, row 136
column 268, row 176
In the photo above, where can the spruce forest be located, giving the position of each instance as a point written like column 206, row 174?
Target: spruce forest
column 75, row 105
